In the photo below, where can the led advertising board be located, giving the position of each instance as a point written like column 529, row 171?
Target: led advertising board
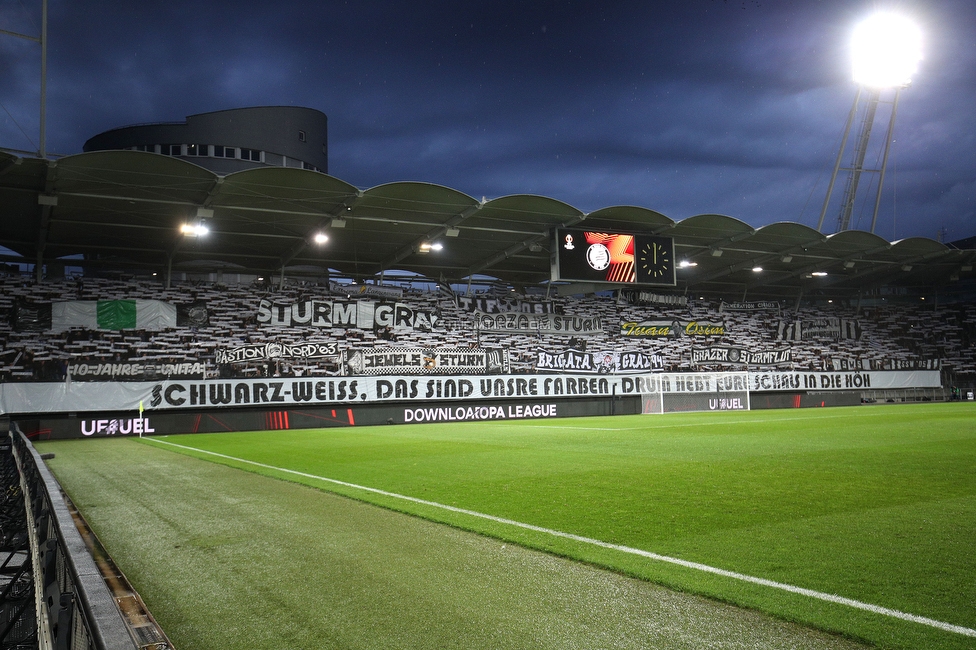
column 612, row 257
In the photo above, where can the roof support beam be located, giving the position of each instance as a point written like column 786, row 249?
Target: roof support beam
column 820, row 266
column 886, row 267
column 9, row 165
column 762, row 259
column 302, row 244
column 414, row 246
column 46, row 201
column 720, row 244
column 515, row 249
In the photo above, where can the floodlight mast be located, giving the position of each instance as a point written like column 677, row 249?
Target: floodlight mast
column 886, row 49
column 42, row 40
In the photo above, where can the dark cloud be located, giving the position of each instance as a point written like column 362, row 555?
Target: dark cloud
column 686, row 107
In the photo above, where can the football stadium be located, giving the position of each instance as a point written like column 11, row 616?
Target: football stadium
column 253, row 406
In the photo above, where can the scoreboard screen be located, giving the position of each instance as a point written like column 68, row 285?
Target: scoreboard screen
column 613, row 257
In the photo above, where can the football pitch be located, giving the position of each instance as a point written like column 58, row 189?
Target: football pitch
column 858, row 521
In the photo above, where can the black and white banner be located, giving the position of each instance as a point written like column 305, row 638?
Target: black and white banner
column 721, row 354
column 95, row 370
column 749, row 306
column 818, row 328
column 598, row 362
column 841, row 363
column 378, row 290
column 648, row 298
column 107, row 315
column 671, row 328
column 517, row 322
column 850, row 380
column 427, row 361
column 64, row 397
column 275, row 350
column 501, row 305
column 359, row 314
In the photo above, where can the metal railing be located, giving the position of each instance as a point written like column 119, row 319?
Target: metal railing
column 74, row 609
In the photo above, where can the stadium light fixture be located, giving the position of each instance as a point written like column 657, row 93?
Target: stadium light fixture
column 757, row 269
column 427, row 247
column 198, row 229
column 819, row 274
column 685, row 264
column 320, row 238
column 886, row 50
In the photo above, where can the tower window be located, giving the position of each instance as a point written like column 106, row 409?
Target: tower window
column 251, row 154
column 301, row 136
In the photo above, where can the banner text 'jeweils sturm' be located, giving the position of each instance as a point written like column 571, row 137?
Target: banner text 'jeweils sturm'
column 425, row 361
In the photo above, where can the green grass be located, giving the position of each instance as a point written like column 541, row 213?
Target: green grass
column 876, row 504
column 235, row 560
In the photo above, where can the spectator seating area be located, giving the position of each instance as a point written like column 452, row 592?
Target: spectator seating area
column 902, row 332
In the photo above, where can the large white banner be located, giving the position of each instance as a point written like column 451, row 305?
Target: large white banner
column 425, row 361
column 864, row 380
column 521, row 323
column 818, row 328
column 604, row 363
column 38, row 397
column 113, row 315
column 362, row 314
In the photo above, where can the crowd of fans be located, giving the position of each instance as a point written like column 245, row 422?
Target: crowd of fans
column 946, row 333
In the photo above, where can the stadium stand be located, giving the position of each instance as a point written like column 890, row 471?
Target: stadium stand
column 906, row 333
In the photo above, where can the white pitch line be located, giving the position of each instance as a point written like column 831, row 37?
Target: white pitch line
column 698, row 425
column 819, row 595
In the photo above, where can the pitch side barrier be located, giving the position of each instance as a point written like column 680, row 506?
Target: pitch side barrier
column 87, row 409
column 73, row 608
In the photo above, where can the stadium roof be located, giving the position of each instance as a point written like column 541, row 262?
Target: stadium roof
column 122, row 211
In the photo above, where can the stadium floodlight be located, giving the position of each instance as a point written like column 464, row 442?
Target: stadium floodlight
column 427, row 247
column 320, row 238
column 757, row 269
column 819, row 274
column 685, row 264
column 886, row 50
column 198, row 229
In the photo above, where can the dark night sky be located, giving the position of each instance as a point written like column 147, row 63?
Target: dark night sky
column 684, row 107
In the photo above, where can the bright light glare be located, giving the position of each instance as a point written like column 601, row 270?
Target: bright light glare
column 321, row 238
column 886, row 50
column 685, row 264
column 757, row 269
column 194, row 229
